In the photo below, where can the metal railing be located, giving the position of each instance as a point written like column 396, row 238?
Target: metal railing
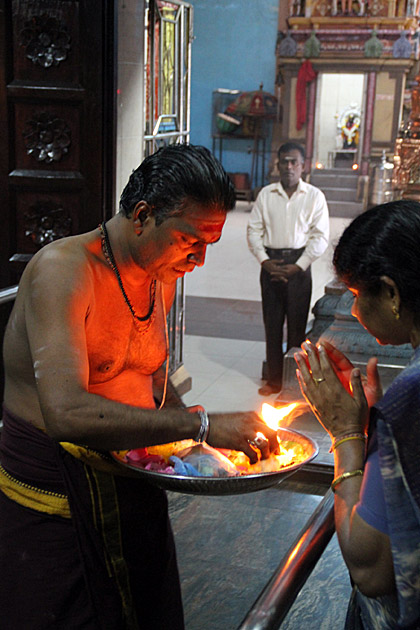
column 8, row 294
column 277, row 597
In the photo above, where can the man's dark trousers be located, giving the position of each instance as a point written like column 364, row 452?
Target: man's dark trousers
column 280, row 301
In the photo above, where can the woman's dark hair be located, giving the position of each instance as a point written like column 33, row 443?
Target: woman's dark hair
column 383, row 241
column 176, row 174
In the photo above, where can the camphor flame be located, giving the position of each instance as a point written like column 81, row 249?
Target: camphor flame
column 290, row 451
column 273, row 417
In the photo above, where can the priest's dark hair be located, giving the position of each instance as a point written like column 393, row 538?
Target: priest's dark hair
column 174, row 175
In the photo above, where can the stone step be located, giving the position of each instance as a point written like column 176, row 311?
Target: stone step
column 334, row 180
column 339, row 194
column 345, row 209
column 334, row 171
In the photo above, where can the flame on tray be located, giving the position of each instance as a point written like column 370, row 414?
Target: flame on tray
column 273, row 416
column 289, row 453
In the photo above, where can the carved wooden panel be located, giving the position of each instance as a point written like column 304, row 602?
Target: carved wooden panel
column 57, row 112
column 45, row 219
column 46, row 37
column 48, row 136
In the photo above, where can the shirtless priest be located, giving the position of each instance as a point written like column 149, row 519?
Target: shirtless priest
column 82, row 543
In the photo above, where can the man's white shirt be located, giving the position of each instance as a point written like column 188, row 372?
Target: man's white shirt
column 280, row 222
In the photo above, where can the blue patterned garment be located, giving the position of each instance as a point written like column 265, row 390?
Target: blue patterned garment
column 398, row 426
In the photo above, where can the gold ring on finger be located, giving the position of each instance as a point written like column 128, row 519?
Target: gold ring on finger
column 317, row 381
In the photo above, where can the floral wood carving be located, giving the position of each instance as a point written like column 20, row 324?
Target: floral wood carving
column 46, row 41
column 46, row 137
column 45, row 222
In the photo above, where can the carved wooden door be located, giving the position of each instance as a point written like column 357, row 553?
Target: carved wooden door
column 57, row 123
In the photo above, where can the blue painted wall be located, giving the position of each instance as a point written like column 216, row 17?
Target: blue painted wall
column 234, row 48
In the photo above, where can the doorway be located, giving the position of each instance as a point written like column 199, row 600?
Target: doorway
column 339, row 120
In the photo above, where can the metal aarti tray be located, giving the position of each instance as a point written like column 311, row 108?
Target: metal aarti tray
column 216, row 486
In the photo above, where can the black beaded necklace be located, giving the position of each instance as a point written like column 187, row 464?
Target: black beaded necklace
column 109, row 257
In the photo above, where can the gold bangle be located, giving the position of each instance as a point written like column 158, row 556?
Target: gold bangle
column 346, row 439
column 345, row 475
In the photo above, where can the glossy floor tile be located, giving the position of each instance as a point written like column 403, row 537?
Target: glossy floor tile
column 229, row 547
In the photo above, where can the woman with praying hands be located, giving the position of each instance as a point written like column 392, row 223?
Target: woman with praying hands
column 375, row 438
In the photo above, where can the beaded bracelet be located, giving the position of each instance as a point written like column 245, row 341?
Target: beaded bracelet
column 205, row 426
column 345, row 438
column 345, row 475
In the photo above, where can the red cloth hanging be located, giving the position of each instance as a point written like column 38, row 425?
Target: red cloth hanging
column 306, row 74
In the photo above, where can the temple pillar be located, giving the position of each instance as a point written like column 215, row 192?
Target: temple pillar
column 310, row 125
column 368, row 122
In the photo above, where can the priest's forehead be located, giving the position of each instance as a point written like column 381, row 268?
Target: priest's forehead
column 201, row 220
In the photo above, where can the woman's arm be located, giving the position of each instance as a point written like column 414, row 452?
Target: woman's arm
column 365, row 549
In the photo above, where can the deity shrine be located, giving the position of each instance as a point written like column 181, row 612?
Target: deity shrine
column 345, row 71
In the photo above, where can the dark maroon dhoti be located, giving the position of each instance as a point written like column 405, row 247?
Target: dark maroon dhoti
column 108, row 564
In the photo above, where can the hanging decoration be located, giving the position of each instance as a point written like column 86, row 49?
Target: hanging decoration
column 306, row 74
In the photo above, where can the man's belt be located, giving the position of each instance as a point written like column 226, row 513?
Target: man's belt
column 290, row 256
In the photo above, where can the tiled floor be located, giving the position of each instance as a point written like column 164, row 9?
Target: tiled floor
column 228, row 547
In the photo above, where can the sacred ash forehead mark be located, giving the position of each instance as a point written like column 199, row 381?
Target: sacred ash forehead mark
column 203, row 227
column 208, row 226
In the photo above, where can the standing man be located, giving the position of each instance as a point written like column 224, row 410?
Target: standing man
column 83, row 544
column 288, row 230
